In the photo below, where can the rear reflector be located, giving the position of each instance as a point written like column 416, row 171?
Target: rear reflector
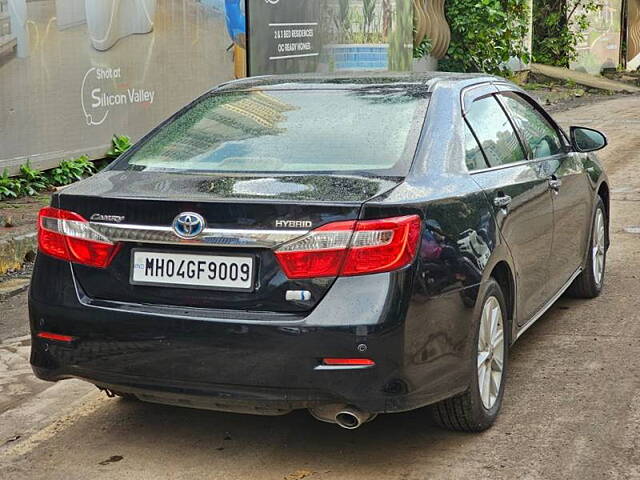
column 56, row 337
column 68, row 236
column 352, row 248
column 348, row 361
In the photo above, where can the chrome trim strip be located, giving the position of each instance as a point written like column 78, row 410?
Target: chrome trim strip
column 279, row 320
column 521, row 163
column 210, row 237
column 549, row 304
column 343, row 367
column 204, row 317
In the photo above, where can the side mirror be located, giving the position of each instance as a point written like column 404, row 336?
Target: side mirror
column 587, row 140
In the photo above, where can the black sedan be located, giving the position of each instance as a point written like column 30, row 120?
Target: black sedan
column 351, row 246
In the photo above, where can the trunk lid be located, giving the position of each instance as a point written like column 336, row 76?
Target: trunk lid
column 276, row 204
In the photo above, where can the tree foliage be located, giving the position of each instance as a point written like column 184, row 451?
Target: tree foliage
column 559, row 26
column 486, row 34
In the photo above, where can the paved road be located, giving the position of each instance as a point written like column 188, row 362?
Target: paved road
column 572, row 407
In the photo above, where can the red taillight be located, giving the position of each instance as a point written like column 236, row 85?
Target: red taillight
column 348, row 362
column 382, row 245
column 68, row 236
column 56, row 337
column 352, row 248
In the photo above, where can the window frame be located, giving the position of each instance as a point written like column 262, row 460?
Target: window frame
column 493, row 91
column 470, row 94
column 467, row 126
column 537, row 108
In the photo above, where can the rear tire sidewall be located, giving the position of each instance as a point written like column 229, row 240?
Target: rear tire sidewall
column 485, row 417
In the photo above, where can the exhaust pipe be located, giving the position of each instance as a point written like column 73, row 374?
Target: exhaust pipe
column 346, row 416
column 352, row 418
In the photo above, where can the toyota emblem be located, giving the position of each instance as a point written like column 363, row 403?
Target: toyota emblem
column 188, row 225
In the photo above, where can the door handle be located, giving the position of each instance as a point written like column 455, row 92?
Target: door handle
column 502, row 201
column 555, row 184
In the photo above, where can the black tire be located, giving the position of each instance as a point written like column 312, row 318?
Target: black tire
column 586, row 285
column 466, row 412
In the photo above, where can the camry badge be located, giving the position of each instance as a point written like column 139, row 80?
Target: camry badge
column 188, row 225
column 98, row 217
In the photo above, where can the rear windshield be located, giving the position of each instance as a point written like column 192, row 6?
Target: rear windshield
column 372, row 129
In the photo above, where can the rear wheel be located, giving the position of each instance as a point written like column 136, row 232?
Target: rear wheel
column 477, row 409
column 589, row 283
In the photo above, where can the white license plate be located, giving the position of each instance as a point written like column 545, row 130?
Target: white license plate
column 192, row 270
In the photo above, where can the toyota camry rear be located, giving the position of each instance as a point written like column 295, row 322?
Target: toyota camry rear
column 347, row 246
column 224, row 262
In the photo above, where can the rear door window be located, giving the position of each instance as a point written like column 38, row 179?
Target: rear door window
column 472, row 151
column 494, row 131
column 542, row 138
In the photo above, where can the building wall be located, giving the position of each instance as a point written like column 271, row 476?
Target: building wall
column 601, row 46
column 76, row 76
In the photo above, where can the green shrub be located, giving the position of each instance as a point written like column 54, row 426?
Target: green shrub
column 119, row 145
column 31, row 181
column 71, row 171
column 424, row 49
column 486, row 34
column 9, row 187
column 559, row 26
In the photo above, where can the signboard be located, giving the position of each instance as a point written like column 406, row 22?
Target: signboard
column 600, row 48
column 326, row 36
column 285, row 36
column 75, row 72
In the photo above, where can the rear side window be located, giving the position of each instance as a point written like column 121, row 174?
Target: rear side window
column 539, row 134
column 495, row 132
column 472, row 151
column 371, row 129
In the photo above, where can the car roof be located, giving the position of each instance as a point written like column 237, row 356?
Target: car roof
column 356, row 80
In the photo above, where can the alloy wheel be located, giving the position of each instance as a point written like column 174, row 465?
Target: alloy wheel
column 599, row 247
column 490, row 352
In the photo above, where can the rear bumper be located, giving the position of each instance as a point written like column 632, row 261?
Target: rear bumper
column 243, row 365
column 213, row 365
